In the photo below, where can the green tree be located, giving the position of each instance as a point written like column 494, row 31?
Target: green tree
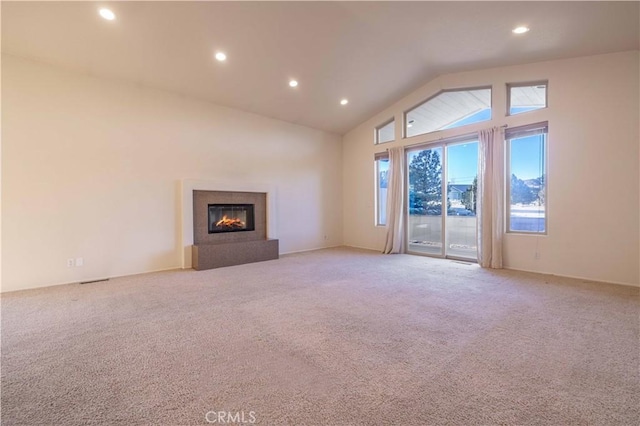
column 425, row 180
column 541, row 191
column 520, row 192
column 384, row 178
column 470, row 196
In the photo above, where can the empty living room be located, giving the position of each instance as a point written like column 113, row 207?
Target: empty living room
column 320, row 213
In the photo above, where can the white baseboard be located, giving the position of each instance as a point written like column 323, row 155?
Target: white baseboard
column 575, row 277
column 311, row 249
column 90, row 279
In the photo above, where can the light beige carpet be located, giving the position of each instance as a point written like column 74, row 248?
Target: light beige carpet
column 332, row 337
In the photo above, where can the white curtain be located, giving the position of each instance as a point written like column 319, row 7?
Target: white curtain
column 395, row 201
column 490, row 206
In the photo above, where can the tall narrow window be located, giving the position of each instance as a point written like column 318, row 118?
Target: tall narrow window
column 382, row 179
column 386, row 132
column 527, row 178
column 449, row 109
column 524, row 97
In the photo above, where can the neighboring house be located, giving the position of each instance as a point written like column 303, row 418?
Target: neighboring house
column 456, row 192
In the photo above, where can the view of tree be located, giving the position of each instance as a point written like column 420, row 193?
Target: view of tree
column 520, row 192
column 537, row 187
column 425, row 182
column 541, row 191
column 415, row 203
column 383, row 178
column 470, row 196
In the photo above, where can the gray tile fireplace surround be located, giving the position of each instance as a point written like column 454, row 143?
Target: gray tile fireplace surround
column 231, row 248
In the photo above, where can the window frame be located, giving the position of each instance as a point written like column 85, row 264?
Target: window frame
column 527, row 84
column 376, row 136
column 516, row 133
column 460, row 89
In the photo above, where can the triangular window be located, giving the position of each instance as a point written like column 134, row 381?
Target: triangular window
column 449, row 109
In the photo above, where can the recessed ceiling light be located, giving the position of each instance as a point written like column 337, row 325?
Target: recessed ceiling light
column 221, row 56
column 107, row 14
column 344, row 102
column 293, row 83
column 520, row 30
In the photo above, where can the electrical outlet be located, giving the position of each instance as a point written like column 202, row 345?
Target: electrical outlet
column 79, row 261
column 537, row 256
column 71, row 262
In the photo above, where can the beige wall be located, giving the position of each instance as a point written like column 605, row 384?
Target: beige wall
column 92, row 168
column 593, row 191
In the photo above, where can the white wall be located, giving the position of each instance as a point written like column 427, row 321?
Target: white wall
column 593, row 192
column 92, row 168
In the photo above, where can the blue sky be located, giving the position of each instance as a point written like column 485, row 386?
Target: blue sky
column 463, row 163
column 463, row 158
column 526, row 153
column 527, row 157
column 527, row 160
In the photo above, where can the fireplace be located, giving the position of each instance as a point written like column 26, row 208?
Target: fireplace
column 230, row 218
column 219, row 219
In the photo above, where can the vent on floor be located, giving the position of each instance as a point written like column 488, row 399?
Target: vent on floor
column 462, row 262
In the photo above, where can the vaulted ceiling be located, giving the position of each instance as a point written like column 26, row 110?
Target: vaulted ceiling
column 371, row 53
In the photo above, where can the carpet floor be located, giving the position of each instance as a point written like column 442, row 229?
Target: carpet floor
column 332, row 337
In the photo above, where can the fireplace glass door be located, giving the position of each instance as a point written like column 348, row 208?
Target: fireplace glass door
column 230, row 218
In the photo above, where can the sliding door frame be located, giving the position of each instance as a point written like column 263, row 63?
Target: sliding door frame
column 444, row 239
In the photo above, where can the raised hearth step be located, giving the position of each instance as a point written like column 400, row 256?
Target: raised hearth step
column 209, row 256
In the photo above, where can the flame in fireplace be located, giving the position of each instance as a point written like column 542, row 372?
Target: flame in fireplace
column 230, row 222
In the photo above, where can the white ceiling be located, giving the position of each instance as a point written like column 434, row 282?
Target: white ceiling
column 372, row 53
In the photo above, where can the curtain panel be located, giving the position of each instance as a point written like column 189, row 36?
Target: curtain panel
column 395, row 202
column 490, row 198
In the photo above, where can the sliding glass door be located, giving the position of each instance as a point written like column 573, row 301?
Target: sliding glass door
column 442, row 182
column 425, row 201
column 462, row 183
